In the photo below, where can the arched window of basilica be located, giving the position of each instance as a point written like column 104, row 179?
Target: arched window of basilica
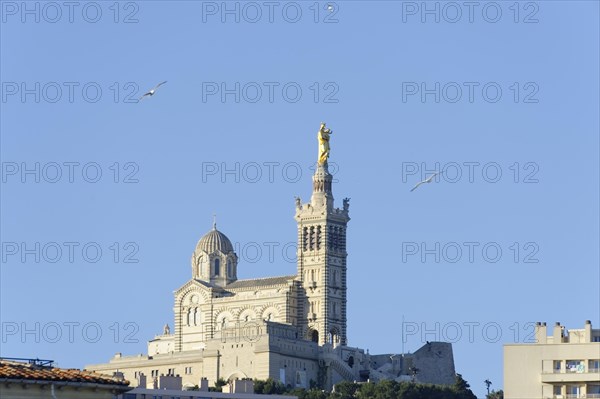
column 333, row 337
column 318, row 237
column 229, row 269
column 304, row 238
column 314, row 336
column 187, row 317
column 351, row 361
column 217, row 267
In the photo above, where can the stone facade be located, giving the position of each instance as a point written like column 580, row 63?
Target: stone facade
column 290, row 328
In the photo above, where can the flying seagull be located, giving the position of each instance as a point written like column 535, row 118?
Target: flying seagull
column 428, row 180
column 152, row 90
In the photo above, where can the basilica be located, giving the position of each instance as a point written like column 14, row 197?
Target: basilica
column 289, row 328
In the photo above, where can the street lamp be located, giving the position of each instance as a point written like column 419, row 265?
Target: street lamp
column 487, row 384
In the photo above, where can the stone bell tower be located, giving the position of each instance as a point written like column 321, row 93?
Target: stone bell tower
column 322, row 255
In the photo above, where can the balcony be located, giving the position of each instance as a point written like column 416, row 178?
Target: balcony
column 556, row 376
column 571, row 396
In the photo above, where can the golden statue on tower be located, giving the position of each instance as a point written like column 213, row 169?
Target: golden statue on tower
column 323, row 136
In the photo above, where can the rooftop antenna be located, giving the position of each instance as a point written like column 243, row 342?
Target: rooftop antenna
column 403, row 334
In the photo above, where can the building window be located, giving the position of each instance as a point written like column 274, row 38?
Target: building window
column 229, row 269
column 333, row 336
column 217, row 267
column 318, row 237
column 557, row 366
column 557, row 390
column 575, row 366
column 305, row 239
column 594, row 366
column 574, row 390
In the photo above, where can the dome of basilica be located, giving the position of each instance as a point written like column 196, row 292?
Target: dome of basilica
column 214, row 241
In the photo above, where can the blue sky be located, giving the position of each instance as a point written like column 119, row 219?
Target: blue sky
column 499, row 88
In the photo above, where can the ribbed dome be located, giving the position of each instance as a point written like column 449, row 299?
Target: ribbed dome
column 214, row 240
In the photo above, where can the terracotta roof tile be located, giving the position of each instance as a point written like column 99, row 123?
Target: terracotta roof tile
column 22, row 371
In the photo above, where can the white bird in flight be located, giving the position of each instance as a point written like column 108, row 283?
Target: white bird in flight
column 152, row 90
column 428, row 180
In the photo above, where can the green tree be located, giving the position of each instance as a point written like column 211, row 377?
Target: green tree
column 269, row 387
column 366, row 391
column 345, row 390
column 496, row 395
column 218, row 385
column 314, row 393
column 259, row 386
column 461, row 387
column 385, row 389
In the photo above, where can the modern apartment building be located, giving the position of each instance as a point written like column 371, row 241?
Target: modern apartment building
column 565, row 364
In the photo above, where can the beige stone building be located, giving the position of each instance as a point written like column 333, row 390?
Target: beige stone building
column 290, row 328
column 565, row 364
